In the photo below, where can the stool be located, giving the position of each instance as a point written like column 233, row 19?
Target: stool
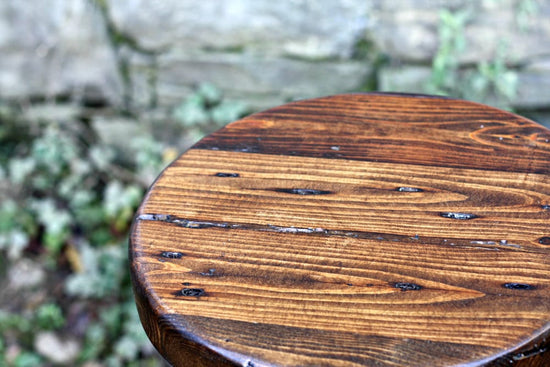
column 352, row 230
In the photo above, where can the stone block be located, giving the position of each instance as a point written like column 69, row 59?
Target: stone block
column 264, row 52
column 260, row 79
column 533, row 90
column 406, row 79
column 542, row 117
column 55, row 48
column 408, row 30
column 408, row 35
column 302, row 28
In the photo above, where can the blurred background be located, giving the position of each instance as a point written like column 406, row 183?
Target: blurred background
column 97, row 96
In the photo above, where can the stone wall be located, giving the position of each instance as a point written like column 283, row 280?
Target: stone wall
column 519, row 29
column 143, row 54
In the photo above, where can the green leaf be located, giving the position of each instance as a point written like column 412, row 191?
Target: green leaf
column 228, row 111
column 94, row 342
column 126, row 348
column 12, row 321
column 119, row 198
column 104, row 269
column 49, row 316
column 210, row 93
column 14, row 242
column 54, row 150
column 54, row 219
column 20, row 169
column 192, row 112
column 28, row 359
column 507, row 84
column 101, row 156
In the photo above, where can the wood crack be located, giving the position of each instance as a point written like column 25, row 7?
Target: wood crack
column 458, row 243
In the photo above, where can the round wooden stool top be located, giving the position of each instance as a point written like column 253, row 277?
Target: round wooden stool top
column 353, row 230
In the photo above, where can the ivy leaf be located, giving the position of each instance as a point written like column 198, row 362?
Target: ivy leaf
column 20, row 169
column 192, row 111
column 228, row 111
column 211, row 94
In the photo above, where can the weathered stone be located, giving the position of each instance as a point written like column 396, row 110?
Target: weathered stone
column 542, row 117
column 408, row 30
column 533, row 87
column 55, row 48
column 264, row 52
column 501, row 30
column 276, row 79
column 303, row 28
column 538, row 65
column 407, row 79
column 533, row 90
column 406, row 35
column 55, row 348
column 404, row 5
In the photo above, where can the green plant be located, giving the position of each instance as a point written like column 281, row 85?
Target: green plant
column 494, row 78
column 60, row 186
column 10, row 321
column 206, row 109
column 71, row 198
column 49, row 316
column 23, row 328
column 27, row 359
column 102, row 270
column 445, row 64
column 16, row 226
column 492, row 81
column 67, row 199
column 525, row 9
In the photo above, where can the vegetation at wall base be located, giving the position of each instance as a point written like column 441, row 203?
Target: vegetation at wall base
column 67, row 199
column 492, row 82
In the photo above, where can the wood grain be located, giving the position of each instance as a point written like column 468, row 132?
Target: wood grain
column 353, row 230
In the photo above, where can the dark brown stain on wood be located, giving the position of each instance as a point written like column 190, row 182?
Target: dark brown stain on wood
column 191, row 292
column 519, row 286
column 171, row 254
column 225, row 174
column 404, row 286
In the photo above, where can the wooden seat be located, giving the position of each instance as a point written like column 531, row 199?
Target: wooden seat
column 352, row 230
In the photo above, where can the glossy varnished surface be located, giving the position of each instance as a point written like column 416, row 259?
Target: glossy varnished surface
column 366, row 229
